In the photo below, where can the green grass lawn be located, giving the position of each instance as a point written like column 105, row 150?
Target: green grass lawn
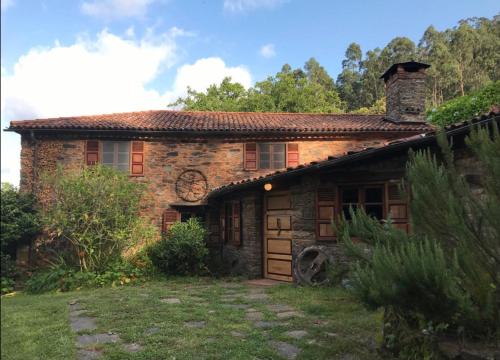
column 37, row 326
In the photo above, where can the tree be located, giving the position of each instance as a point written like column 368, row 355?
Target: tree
column 290, row 90
column 445, row 276
column 349, row 80
column 227, row 96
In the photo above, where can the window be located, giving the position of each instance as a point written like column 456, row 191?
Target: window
column 230, row 223
column 271, row 156
column 116, row 154
column 369, row 198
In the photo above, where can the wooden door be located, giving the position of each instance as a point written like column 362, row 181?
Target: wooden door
column 278, row 236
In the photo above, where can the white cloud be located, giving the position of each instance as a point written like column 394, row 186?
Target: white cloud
column 267, row 51
column 5, row 4
column 205, row 72
column 112, row 9
column 239, row 6
column 106, row 74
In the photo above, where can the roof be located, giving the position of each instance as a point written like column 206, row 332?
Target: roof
column 408, row 66
column 222, row 122
column 352, row 156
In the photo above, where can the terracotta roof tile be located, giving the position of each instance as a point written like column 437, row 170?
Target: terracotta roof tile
column 173, row 121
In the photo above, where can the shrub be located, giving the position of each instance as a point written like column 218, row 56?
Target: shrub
column 63, row 278
column 96, row 212
column 446, row 275
column 182, row 251
column 19, row 220
column 466, row 107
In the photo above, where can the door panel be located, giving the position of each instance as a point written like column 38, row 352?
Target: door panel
column 278, row 236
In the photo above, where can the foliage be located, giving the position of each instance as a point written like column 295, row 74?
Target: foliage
column 378, row 108
column 463, row 59
column 19, row 220
column 301, row 90
column 182, row 251
column 8, row 273
column 466, row 107
column 95, row 211
column 64, row 278
column 446, row 275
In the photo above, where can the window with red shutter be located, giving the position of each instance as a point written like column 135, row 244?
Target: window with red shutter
column 92, row 152
column 170, row 217
column 250, row 156
column 292, row 155
column 137, row 166
column 325, row 212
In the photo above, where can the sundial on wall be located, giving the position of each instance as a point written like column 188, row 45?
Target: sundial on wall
column 191, row 185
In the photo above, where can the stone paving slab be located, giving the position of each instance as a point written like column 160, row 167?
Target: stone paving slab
column 236, row 306
column 237, row 334
column 265, row 324
column 254, row 316
column 82, row 323
column 288, row 351
column 289, row 314
column 170, row 301
column 84, row 340
column 296, row 334
column 132, row 348
column 195, row 324
column 84, row 354
column 279, row 308
column 257, row 296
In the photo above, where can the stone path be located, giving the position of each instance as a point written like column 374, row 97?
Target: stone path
column 251, row 300
column 257, row 295
column 86, row 343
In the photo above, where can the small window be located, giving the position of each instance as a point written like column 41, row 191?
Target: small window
column 369, row 198
column 272, row 156
column 116, row 154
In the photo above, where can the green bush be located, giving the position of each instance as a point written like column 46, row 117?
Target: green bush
column 63, row 278
column 466, row 107
column 19, row 220
column 445, row 276
column 182, row 250
column 95, row 212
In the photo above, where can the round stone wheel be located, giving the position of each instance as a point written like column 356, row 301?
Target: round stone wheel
column 311, row 266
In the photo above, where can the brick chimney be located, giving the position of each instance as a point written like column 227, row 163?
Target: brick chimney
column 405, row 91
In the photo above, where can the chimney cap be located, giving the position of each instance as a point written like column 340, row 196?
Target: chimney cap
column 408, row 66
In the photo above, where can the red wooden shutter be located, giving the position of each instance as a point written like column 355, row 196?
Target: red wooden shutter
column 292, row 155
column 250, row 158
column 236, row 223
column 397, row 207
column 137, row 158
column 170, row 217
column 92, row 152
column 325, row 213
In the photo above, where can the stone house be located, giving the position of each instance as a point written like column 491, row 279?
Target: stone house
column 199, row 164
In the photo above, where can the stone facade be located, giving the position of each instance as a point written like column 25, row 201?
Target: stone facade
column 220, row 160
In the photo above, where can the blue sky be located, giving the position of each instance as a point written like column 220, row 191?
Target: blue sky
column 82, row 57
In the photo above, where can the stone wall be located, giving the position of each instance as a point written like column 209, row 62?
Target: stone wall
column 221, row 161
